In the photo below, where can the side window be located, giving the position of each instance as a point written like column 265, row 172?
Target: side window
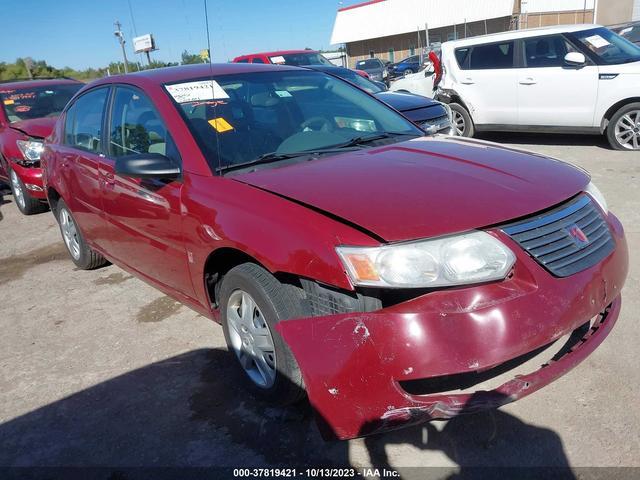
column 546, row 51
column 257, row 60
column 461, row 56
column 136, row 126
column 83, row 122
column 243, row 60
column 493, row 56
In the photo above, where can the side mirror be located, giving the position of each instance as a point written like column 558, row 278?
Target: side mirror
column 575, row 60
column 147, row 165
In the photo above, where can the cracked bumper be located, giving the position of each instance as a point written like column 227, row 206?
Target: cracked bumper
column 32, row 179
column 353, row 364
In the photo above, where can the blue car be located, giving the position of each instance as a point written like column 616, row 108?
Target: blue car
column 404, row 67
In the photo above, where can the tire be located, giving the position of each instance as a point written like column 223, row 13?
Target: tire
column 25, row 202
column 81, row 254
column 408, row 71
column 462, row 122
column 271, row 371
column 623, row 131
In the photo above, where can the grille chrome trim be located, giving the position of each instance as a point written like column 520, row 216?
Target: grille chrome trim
column 546, row 237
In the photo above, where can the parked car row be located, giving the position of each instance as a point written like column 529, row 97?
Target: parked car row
column 572, row 79
column 350, row 258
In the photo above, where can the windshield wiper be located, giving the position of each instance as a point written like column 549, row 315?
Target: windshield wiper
column 276, row 156
column 364, row 139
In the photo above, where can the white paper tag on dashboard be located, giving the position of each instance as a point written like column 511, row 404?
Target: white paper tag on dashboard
column 597, row 41
column 196, row 91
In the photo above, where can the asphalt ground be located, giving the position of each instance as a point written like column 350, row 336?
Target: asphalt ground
column 99, row 369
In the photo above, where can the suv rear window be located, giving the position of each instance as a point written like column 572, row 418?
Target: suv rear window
column 489, row 57
column 369, row 64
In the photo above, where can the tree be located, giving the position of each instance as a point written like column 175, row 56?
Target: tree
column 190, row 58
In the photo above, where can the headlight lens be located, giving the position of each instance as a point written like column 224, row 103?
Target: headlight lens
column 595, row 193
column 473, row 257
column 31, row 149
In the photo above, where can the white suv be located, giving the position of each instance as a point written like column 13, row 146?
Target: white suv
column 566, row 79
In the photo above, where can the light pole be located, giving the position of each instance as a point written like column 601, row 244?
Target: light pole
column 118, row 33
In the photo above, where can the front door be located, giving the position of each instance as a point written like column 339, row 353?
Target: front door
column 143, row 216
column 551, row 93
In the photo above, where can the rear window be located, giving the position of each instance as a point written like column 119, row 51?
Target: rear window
column 36, row 102
column 489, row 57
column 368, row 64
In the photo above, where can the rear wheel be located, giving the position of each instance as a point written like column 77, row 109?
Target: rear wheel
column 462, row 122
column 252, row 303
column 25, row 202
column 408, row 71
column 623, row 131
column 82, row 255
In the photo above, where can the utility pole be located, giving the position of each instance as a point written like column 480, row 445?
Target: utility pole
column 118, row 33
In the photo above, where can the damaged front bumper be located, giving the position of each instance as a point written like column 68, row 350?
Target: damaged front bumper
column 31, row 177
column 360, row 369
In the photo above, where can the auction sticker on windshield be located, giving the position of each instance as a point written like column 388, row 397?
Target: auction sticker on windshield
column 597, row 41
column 196, row 91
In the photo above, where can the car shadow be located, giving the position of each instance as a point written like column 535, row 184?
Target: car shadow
column 193, row 410
column 521, row 138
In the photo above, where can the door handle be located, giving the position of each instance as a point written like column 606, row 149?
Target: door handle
column 468, row 81
column 528, row 81
column 109, row 179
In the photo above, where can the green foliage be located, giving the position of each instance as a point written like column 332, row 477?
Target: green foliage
column 190, row 58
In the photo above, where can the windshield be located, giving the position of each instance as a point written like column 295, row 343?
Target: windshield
column 358, row 80
column 36, row 102
column 300, row 59
column 240, row 118
column 609, row 48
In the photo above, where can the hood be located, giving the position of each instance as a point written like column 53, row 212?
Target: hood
column 404, row 102
column 425, row 187
column 37, row 127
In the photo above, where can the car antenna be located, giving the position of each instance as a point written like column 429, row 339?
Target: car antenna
column 213, row 94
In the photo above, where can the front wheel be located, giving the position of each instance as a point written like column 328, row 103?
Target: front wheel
column 82, row 255
column 623, row 131
column 252, row 302
column 462, row 122
column 408, row 71
column 25, row 202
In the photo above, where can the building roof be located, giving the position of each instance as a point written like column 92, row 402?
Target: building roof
column 382, row 18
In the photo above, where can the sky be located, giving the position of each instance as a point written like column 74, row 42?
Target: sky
column 79, row 33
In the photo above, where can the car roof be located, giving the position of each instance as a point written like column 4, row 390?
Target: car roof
column 37, row 82
column 191, row 72
column 516, row 34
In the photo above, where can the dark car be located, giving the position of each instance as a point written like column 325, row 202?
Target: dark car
column 404, row 67
column 630, row 31
column 28, row 112
column 384, row 274
column 374, row 68
column 432, row 116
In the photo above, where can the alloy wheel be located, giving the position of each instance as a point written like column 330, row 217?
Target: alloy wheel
column 459, row 123
column 18, row 193
column 70, row 233
column 627, row 130
column 251, row 339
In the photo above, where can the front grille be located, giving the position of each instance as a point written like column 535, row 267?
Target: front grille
column 566, row 239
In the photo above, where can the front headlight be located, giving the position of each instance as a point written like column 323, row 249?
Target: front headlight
column 595, row 193
column 31, row 149
column 473, row 257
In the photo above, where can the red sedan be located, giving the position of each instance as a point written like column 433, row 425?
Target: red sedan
column 28, row 111
column 349, row 258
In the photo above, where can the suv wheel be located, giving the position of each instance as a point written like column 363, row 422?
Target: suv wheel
column 81, row 254
column 462, row 122
column 623, row 131
column 252, row 302
column 25, row 202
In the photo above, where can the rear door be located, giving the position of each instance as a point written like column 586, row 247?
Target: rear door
column 80, row 156
column 551, row 93
column 144, row 224
column 487, row 82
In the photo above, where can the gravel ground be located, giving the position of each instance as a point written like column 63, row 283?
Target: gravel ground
column 99, row 369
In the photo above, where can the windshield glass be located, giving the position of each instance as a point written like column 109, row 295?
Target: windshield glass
column 240, row 118
column 358, row 80
column 610, row 48
column 368, row 64
column 300, row 59
column 36, row 102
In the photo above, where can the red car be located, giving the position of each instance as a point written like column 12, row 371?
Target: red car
column 28, row 111
column 348, row 257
